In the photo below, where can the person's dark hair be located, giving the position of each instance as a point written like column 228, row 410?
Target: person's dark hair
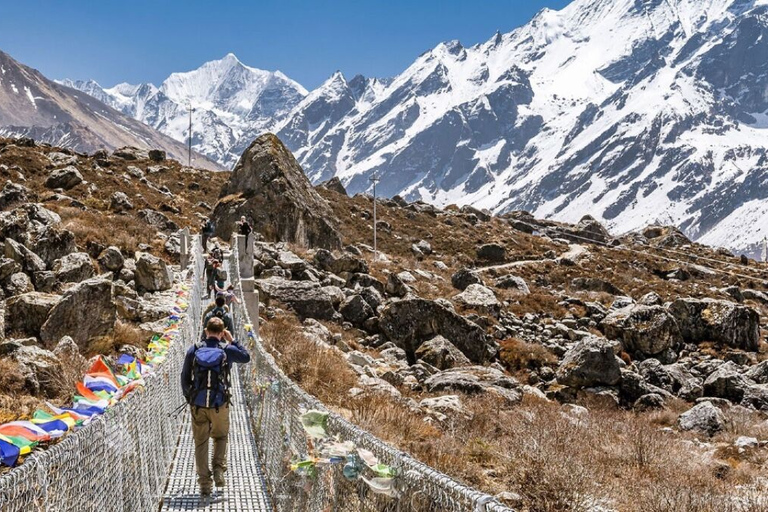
column 220, row 300
column 215, row 325
column 230, row 287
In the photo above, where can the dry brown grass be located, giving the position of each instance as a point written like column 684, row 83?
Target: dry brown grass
column 518, row 355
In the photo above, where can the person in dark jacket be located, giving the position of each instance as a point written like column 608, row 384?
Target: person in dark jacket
column 210, row 414
column 245, row 229
column 220, row 310
column 207, row 232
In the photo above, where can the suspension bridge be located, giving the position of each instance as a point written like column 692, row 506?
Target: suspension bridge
column 139, row 455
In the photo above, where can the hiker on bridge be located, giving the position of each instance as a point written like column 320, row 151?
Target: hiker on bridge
column 221, row 311
column 244, row 228
column 207, row 232
column 205, row 383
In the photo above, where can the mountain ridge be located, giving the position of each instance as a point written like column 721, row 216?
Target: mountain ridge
column 633, row 112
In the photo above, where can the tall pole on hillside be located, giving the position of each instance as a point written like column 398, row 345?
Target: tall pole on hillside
column 374, row 179
column 189, row 149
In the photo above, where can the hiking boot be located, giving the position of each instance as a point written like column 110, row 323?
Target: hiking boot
column 218, row 479
column 205, row 492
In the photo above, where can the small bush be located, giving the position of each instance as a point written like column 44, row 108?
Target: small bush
column 518, row 355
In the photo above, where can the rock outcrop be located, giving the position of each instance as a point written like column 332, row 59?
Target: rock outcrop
column 152, row 274
column 720, row 321
column 269, row 187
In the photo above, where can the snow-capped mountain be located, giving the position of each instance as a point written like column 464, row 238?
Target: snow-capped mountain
column 634, row 111
column 232, row 104
column 31, row 105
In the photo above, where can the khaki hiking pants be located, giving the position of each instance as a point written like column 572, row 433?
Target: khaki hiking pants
column 209, row 424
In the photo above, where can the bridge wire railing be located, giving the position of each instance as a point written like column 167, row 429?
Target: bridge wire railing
column 275, row 404
column 120, row 461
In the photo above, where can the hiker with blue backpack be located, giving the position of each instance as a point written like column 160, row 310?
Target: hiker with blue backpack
column 221, row 311
column 205, row 384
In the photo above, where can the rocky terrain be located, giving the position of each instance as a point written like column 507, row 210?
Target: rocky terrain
column 87, row 251
column 552, row 364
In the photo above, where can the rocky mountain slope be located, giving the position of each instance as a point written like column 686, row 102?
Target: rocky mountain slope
column 233, row 103
column 87, row 246
column 33, row 106
column 633, row 112
column 552, row 364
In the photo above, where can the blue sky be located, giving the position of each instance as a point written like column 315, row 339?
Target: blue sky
column 145, row 40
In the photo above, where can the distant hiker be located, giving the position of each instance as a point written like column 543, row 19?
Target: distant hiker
column 205, row 384
column 217, row 253
column 207, row 232
column 230, row 296
column 208, row 272
column 219, row 278
column 220, row 311
column 212, row 305
column 210, row 277
column 244, row 228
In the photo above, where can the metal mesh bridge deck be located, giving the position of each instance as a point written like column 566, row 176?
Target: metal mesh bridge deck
column 245, row 489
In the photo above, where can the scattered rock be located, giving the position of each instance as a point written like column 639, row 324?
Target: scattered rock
column 591, row 362
column 152, row 274
column 66, row 178
column 493, row 253
column 479, row 298
column 111, row 259
column 465, row 277
column 441, row 353
column 649, row 330
column 119, row 202
column 74, row 268
column 85, row 312
column 717, row 320
column 26, row 313
column 703, row 417
column 510, row 282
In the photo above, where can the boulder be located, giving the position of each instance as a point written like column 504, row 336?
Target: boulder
column 356, row 310
column 649, row 330
column 410, row 322
column 158, row 220
column 758, row 372
column 373, row 297
column 130, row 153
column 443, row 406
column 594, row 284
column 25, row 314
column 8, row 267
column 703, row 417
column 28, row 260
column 66, row 178
column 111, row 259
column 152, row 274
column 54, row 243
column 590, row 362
column 727, row 382
column 588, row 229
column 268, row 186
column 441, row 353
column 649, row 402
column 475, row 380
column 18, row 283
column 85, row 312
column 346, row 262
column 719, row 321
column 424, row 247
column 13, row 195
column 479, row 298
column 74, row 268
column 465, row 277
column 493, row 253
column 308, row 299
column 119, row 202
column 510, row 282
column 335, row 185
column 156, row 155
column 41, row 368
column 396, row 287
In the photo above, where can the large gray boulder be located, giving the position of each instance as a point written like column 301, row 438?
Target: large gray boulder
column 410, row 322
column 356, row 310
column 13, row 194
column 703, row 417
column 590, row 362
column 111, row 259
column 493, row 253
column 441, row 353
column 28, row 260
column 17, row 283
column 85, row 312
column 719, row 321
column 465, row 277
column 727, row 382
column 42, row 369
column 269, row 187
column 346, row 262
column 475, row 380
column 306, row 298
column 66, row 178
column 152, row 274
column 119, row 202
column 510, row 282
column 74, row 268
column 479, row 298
column 25, row 314
column 54, row 243
column 649, row 330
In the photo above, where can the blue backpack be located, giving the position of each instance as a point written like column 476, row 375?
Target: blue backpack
column 210, row 376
